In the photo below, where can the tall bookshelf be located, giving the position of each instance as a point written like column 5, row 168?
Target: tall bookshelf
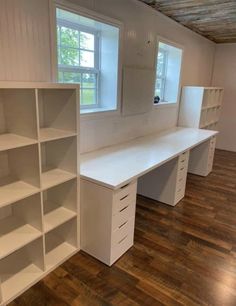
column 39, row 169
column 200, row 107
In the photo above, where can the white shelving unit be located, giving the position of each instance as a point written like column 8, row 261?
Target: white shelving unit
column 200, row 107
column 39, row 168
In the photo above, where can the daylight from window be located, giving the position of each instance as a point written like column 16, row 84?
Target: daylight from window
column 85, row 48
column 168, row 70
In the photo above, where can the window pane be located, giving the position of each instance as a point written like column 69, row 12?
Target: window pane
column 161, row 63
column 89, row 80
column 69, row 37
column 168, row 72
column 71, row 77
column 87, row 59
column 87, row 41
column 68, row 57
column 60, row 76
column 88, row 97
column 159, row 88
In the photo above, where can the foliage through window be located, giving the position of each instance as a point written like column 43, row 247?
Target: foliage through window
column 78, row 60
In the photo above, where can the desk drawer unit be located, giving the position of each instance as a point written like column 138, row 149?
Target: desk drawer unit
column 167, row 183
column 108, row 218
column 202, row 158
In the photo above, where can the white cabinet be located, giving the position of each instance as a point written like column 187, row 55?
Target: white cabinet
column 202, row 157
column 39, row 200
column 167, row 183
column 200, row 107
column 107, row 220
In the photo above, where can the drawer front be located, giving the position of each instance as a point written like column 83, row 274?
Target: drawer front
column 118, row 250
column 123, row 216
column 184, row 157
column 211, row 154
column 213, row 141
column 182, row 167
column 180, row 192
column 124, row 230
column 183, row 161
column 124, row 197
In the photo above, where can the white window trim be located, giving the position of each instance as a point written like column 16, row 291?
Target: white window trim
column 63, row 4
column 174, row 44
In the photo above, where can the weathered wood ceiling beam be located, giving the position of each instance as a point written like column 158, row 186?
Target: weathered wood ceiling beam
column 214, row 19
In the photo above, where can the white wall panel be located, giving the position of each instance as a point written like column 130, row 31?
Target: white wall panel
column 225, row 76
column 24, row 40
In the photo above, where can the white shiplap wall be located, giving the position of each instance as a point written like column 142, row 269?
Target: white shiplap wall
column 24, row 40
column 25, row 55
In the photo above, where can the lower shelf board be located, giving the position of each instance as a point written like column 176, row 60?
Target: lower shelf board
column 54, row 177
column 10, row 141
column 14, row 234
column 14, row 285
column 47, row 134
column 14, row 191
column 58, row 254
column 57, row 217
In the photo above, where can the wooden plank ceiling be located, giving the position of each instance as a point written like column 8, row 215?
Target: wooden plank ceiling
column 214, row 19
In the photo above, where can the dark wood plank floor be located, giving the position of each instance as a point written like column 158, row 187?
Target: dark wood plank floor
column 182, row 256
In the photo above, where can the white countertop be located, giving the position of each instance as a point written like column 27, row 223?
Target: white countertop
column 117, row 165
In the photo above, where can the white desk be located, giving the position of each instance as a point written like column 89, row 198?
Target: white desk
column 109, row 184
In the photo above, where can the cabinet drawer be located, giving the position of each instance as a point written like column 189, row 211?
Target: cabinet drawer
column 124, row 197
column 184, row 157
column 183, row 161
column 118, row 250
column 179, row 194
column 122, row 232
column 123, row 216
column 213, row 140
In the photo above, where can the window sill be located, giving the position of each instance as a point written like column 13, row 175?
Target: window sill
column 97, row 112
column 165, row 104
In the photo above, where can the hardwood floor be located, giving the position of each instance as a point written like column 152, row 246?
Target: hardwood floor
column 182, row 256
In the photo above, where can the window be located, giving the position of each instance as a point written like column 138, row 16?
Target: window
column 87, row 52
column 169, row 59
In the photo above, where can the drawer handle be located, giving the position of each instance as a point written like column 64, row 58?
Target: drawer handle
column 124, row 208
column 182, row 161
column 122, row 239
column 181, row 169
column 123, row 224
column 124, row 197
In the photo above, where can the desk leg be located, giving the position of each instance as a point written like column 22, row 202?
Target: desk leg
column 167, row 183
column 202, row 157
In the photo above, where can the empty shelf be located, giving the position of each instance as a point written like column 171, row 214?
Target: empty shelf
column 15, row 284
column 14, row 234
column 11, row 141
column 57, row 217
column 59, row 254
column 47, row 134
column 54, row 177
column 15, row 191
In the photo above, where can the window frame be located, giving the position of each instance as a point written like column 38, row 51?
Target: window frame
column 81, row 69
column 93, row 113
column 164, row 40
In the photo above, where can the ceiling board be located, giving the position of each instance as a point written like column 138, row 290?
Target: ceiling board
column 214, row 19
